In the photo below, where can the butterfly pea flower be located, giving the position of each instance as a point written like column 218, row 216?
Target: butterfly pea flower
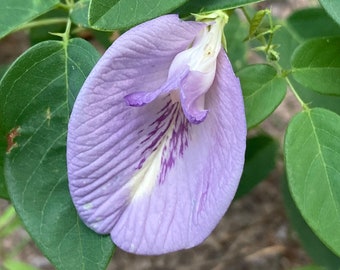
column 156, row 138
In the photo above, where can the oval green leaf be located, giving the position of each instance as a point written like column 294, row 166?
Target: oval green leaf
column 262, row 90
column 333, row 9
column 316, row 65
column 15, row 13
column 37, row 94
column 109, row 15
column 319, row 253
column 312, row 154
column 260, row 159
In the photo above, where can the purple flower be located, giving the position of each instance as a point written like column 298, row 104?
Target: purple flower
column 156, row 138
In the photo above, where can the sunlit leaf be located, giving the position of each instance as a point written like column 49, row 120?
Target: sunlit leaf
column 316, row 65
column 15, row 13
column 310, row 242
column 312, row 154
column 120, row 14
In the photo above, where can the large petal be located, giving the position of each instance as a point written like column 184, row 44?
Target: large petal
column 108, row 140
column 200, row 171
column 146, row 175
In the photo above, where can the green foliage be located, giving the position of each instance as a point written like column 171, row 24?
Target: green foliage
column 311, row 243
column 235, row 32
column 15, row 13
column 316, row 65
column 333, row 9
column 310, row 23
column 108, row 15
column 260, row 157
column 196, row 6
column 38, row 91
column 79, row 14
column 263, row 91
column 43, row 84
column 301, row 26
column 312, row 152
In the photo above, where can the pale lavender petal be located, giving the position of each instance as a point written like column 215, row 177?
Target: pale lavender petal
column 143, row 97
column 108, row 140
column 201, row 168
column 146, row 175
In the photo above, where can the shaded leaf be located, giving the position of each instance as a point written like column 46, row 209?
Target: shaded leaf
column 310, row 242
column 197, row 6
column 333, row 9
column 235, row 32
column 316, row 65
column 263, row 91
column 312, row 152
column 300, row 26
column 79, row 13
column 310, row 23
column 15, row 13
column 260, row 159
column 37, row 94
column 120, row 14
column 42, row 33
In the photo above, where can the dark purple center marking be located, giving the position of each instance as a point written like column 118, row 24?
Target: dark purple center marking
column 172, row 126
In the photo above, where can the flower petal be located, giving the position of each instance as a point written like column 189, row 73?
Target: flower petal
column 146, row 175
column 108, row 140
column 199, row 176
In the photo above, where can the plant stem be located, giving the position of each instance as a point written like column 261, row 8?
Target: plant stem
column 245, row 13
column 303, row 105
column 43, row 22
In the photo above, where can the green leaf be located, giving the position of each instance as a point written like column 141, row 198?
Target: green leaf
column 310, row 242
column 79, row 13
column 37, row 94
column 333, row 9
column 312, row 154
column 262, row 90
column 260, row 158
column 120, row 14
column 197, row 6
column 300, row 26
column 316, row 65
column 310, row 23
column 15, row 13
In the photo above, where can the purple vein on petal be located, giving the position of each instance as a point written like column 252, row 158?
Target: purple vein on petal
column 167, row 140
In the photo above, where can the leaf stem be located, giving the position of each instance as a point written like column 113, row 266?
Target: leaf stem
column 292, row 88
column 43, row 22
column 245, row 13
